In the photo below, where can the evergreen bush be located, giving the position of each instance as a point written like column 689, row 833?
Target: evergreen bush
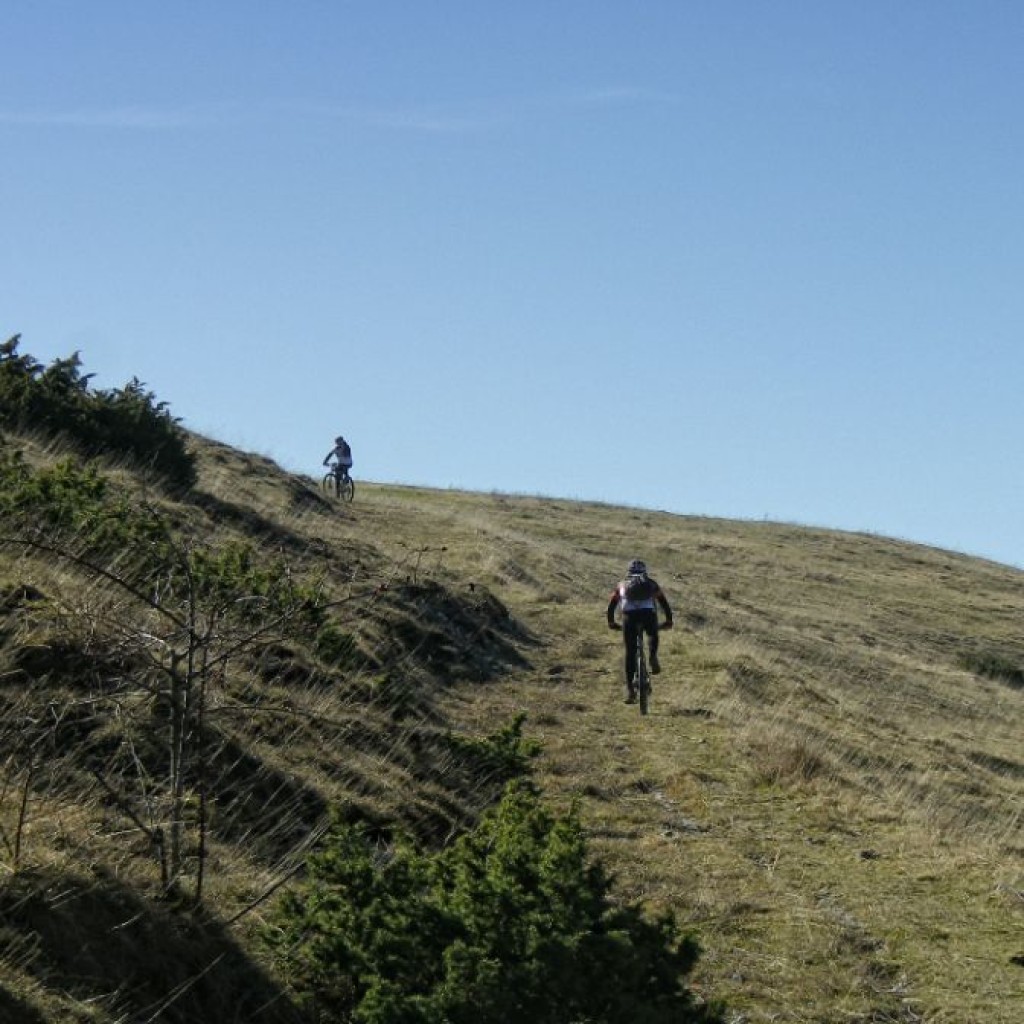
column 129, row 422
column 505, row 754
column 511, row 924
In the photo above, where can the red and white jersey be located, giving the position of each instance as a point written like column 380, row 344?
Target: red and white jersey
column 638, row 594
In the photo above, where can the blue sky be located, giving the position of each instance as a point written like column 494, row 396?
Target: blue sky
column 742, row 259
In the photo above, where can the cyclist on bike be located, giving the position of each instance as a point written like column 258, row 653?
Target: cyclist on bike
column 637, row 598
column 342, row 454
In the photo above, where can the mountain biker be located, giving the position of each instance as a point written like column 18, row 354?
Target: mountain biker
column 342, row 454
column 636, row 598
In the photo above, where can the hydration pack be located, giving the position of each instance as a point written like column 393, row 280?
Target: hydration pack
column 638, row 589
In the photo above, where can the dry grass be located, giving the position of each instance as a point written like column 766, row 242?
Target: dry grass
column 822, row 790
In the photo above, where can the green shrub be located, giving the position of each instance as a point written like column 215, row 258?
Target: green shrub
column 126, row 422
column 132, row 422
column 234, row 574
column 512, row 924
column 73, row 508
column 505, row 754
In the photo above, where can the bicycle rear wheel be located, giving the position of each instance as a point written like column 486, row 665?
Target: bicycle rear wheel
column 643, row 677
column 346, row 488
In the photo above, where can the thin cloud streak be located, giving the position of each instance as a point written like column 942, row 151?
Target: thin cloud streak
column 131, row 118
column 620, row 94
column 134, row 118
column 501, row 113
column 423, row 120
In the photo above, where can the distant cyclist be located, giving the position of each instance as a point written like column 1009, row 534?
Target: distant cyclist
column 342, row 454
column 636, row 598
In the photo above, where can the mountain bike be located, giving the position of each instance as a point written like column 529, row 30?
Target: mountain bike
column 338, row 484
column 641, row 682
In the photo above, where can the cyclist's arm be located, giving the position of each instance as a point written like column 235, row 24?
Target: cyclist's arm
column 613, row 604
column 665, row 606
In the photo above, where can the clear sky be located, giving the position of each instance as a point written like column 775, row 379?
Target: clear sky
column 731, row 258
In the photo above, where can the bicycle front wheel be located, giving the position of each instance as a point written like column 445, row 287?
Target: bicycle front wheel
column 329, row 485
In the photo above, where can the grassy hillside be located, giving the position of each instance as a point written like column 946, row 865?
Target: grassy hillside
column 829, row 789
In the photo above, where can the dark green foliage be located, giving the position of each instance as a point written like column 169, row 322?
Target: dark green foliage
column 74, row 509
column 505, row 754
column 128, row 421
column 33, row 395
column 337, row 648
column 72, row 506
column 61, row 496
column 511, row 924
column 994, row 665
column 234, row 574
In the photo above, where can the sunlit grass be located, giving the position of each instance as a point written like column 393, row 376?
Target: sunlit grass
column 825, row 790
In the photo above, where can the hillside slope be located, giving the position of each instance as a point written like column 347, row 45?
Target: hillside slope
column 829, row 787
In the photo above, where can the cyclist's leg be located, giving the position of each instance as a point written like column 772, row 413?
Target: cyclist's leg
column 651, row 627
column 631, row 626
